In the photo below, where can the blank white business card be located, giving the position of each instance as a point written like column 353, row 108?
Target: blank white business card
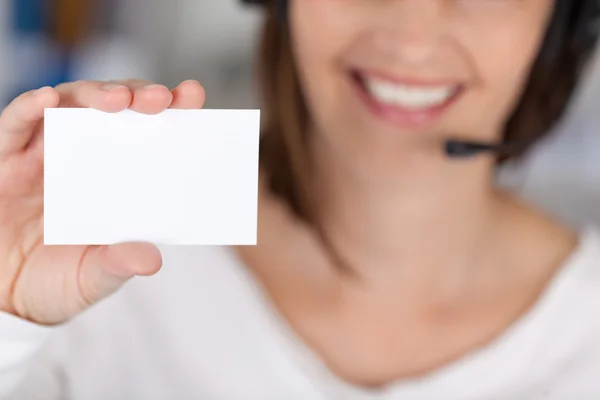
column 182, row 177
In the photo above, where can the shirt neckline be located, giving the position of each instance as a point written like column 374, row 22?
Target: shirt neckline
column 454, row 377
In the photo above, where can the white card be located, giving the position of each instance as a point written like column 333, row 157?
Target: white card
column 182, row 177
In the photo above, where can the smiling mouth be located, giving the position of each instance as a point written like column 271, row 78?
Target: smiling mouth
column 405, row 102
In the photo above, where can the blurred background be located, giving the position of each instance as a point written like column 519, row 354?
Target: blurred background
column 45, row 42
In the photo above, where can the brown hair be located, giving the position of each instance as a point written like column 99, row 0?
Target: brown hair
column 284, row 148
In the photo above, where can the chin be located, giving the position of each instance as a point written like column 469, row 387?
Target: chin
column 373, row 160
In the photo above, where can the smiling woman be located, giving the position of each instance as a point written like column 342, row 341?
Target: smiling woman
column 384, row 268
column 481, row 50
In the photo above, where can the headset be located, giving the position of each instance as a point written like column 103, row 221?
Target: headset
column 575, row 20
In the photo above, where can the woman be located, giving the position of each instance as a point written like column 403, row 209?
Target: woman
column 385, row 269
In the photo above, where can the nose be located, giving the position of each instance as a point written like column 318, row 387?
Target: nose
column 414, row 28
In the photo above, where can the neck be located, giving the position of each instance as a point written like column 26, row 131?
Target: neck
column 424, row 226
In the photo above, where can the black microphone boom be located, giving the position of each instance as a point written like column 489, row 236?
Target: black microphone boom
column 465, row 148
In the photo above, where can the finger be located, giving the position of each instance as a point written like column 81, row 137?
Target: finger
column 148, row 97
column 141, row 96
column 188, row 95
column 20, row 118
column 133, row 83
column 151, row 99
column 104, row 96
column 105, row 268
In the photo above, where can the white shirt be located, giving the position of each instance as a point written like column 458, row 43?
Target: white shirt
column 203, row 329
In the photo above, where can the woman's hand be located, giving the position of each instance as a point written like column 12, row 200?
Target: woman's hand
column 51, row 284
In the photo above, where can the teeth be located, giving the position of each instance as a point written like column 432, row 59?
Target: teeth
column 412, row 97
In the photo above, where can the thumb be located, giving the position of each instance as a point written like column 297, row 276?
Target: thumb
column 105, row 268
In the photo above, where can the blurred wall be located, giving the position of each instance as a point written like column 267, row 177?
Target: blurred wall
column 213, row 41
column 7, row 72
column 32, row 55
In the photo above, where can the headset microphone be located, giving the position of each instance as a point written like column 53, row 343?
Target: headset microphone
column 455, row 148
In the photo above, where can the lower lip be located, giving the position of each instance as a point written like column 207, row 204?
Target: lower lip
column 399, row 116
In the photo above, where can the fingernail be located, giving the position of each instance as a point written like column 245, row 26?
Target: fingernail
column 112, row 86
column 40, row 91
column 153, row 86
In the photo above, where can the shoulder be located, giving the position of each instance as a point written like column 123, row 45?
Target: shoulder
column 576, row 290
column 585, row 260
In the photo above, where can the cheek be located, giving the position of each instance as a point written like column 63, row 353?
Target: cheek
column 317, row 47
column 503, row 65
